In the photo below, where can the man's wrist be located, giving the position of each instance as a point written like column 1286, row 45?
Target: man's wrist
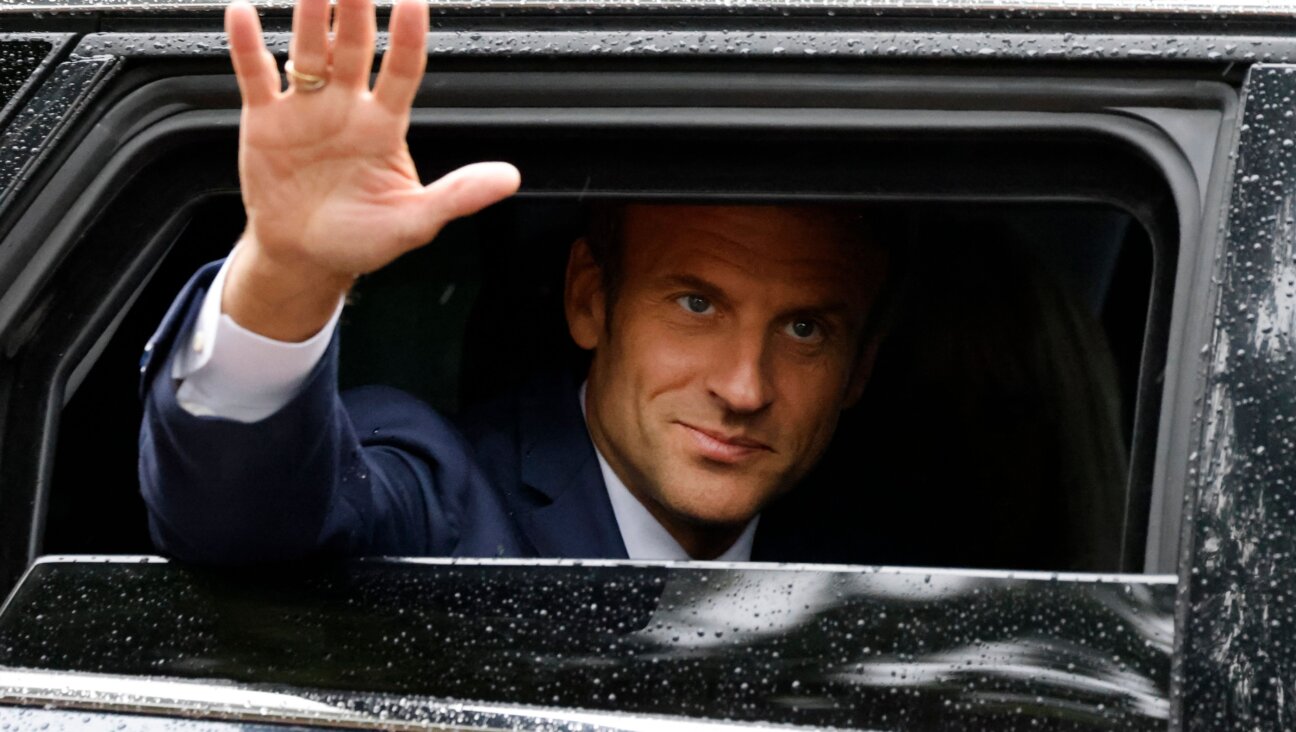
column 284, row 301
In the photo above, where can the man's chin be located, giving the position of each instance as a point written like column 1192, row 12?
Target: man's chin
column 715, row 507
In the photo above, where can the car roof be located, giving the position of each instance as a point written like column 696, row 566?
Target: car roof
column 1194, row 9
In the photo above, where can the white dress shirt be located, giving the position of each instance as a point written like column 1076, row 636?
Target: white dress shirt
column 228, row 371
column 248, row 377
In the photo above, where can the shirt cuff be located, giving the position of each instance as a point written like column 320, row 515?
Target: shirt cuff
column 228, row 371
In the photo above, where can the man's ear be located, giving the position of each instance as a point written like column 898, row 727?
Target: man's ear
column 863, row 370
column 583, row 296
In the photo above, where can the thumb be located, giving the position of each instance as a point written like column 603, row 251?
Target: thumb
column 464, row 192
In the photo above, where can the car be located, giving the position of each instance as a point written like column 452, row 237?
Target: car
column 1073, row 465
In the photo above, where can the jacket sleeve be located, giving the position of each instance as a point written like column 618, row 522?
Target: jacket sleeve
column 376, row 472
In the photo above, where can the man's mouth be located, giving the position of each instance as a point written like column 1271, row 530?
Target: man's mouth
column 724, row 447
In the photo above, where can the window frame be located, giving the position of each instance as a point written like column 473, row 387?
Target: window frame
column 139, row 115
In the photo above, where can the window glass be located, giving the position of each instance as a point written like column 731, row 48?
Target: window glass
column 18, row 59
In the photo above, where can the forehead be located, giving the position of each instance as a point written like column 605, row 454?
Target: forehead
column 800, row 246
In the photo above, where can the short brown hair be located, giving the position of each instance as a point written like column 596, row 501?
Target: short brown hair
column 603, row 235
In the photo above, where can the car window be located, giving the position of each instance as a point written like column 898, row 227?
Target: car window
column 1024, row 342
column 996, row 428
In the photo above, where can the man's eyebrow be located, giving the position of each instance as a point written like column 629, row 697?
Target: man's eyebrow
column 832, row 308
column 692, row 282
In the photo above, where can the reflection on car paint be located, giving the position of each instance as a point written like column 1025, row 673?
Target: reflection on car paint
column 1243, row 8
column 1238, row 645
column 19, row 59
column 788, row 644
column 774, row 42
column 35, row 129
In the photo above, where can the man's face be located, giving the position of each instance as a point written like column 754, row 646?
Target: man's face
column 731, row 349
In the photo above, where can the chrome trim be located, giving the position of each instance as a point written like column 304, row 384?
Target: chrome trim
column 230, row 702
column 1234, row 8
column 1036, row 576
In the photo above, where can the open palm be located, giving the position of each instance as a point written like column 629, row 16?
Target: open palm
column 328, row 183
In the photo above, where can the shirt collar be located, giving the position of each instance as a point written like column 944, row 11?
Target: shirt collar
column 643, row 536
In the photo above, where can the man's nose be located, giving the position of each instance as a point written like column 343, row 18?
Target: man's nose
column 740, row 376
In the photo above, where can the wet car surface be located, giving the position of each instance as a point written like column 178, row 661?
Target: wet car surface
column 806, row 646
column 117, row 117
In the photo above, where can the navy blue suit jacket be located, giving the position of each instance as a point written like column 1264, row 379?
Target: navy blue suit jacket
column 371, row 471
column 375, row 471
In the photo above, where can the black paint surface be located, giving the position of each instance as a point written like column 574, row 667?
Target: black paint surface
column 1239, row 646
column 35, row 130
column 882, row 649
column 18, row 59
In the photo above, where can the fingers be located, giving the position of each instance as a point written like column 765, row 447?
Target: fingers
column 353, row 44
column 310, row 45
column 258, row 77
column 406, row 57
column 463, row 192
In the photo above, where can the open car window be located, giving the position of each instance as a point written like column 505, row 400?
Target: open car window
column 996, row 430
column 1016, row 393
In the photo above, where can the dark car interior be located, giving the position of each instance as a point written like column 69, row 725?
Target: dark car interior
column 995, row 432
column 1011, row 420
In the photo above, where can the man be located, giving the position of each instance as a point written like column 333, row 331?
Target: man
column 726, row 340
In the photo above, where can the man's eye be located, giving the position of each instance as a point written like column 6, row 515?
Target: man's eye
column 804, row 330
column 695, row 304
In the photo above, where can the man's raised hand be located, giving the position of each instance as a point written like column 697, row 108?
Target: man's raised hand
column 328, row 183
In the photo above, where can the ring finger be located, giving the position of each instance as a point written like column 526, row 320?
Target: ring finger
column 309, row 47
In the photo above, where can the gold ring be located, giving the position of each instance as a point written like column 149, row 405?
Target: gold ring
column 304, row 82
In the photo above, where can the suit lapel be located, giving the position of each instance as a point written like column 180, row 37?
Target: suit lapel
column 573, row 518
